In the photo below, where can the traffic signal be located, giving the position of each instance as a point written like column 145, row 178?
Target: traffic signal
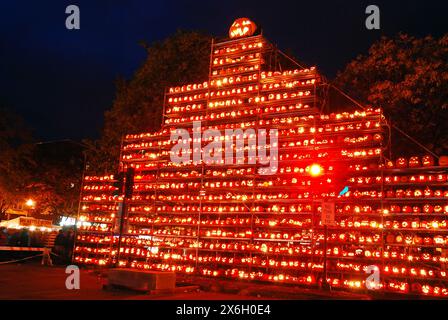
column 129, row 183
column 118, row 184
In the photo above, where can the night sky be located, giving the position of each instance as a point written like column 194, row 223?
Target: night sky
column 61, row 81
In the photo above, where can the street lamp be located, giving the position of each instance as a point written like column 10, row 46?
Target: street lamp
column 30, row 203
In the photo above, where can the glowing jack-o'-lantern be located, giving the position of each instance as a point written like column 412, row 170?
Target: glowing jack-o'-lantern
column 414, row 162
column 428, row 161
column 390, row 238
column 418, row 240
column 242, row 27
column 428, row 193
column 389, row 164
column 406, row 209
column 415, row 224
column 427, row 208
column 401, row 163
column 443, row 161
column 438, row 209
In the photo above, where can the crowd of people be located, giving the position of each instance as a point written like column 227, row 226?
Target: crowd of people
column 62, row 247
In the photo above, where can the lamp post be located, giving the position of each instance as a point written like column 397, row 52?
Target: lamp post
column 315, row 171
column 31, row 204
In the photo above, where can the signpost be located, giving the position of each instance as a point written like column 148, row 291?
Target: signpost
column 327, row 219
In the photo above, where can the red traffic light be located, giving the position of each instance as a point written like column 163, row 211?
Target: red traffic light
column 315, row 170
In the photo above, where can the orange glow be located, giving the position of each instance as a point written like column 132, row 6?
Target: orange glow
column 30, row 203
column 316, row 170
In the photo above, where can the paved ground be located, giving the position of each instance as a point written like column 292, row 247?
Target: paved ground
column 33, row 281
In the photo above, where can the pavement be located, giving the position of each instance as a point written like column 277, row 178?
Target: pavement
column 32, row 281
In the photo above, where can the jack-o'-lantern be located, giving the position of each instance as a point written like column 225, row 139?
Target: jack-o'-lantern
column 390, row 238
column 418, row 193
column 416, row 209
column 428, row 161
column 445, row 194
column 427, row 208
column 406, row 209
column 242, row 27
column 401, row 163
column 377, row 137
column 441, row 178
column 404, row 179
column 389, row 165
column 405, row 224
column 414, row 162
column 427, row 241
column 443, row 161
column 438, row 209
column 390, row 194
column 428, row 193
column 399, row 239
column 399, row 193
column 408, row 240
column 439, row 240
column 395, row 209
column 418, row 240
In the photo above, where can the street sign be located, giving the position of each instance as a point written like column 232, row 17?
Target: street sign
column 328, row 210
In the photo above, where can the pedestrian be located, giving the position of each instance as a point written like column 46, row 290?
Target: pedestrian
column 3, row 236
column 24, row 238
column 59, row 244
column 69, row 243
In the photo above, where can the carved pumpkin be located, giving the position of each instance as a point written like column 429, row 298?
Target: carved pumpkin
column 242, row 27
column 415, row 224
column 428, row 193
column 427, row 241
column 428, row 161
column 418, row 240
column 401, row 163
column 443, row 161
column 439, row 240
column 438, row 209
column 389, row 165
column 390, row 238
column 407, row 209
column 414, row 162
column 418, row 193
column 427, row 208
column 416, row 209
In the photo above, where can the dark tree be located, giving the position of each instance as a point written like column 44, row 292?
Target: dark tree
column 180, row 59
column 408, row 78
column 16, row 159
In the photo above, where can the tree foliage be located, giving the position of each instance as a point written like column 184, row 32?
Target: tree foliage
column 180, row 59
column 15, row 159
column 408, row 78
